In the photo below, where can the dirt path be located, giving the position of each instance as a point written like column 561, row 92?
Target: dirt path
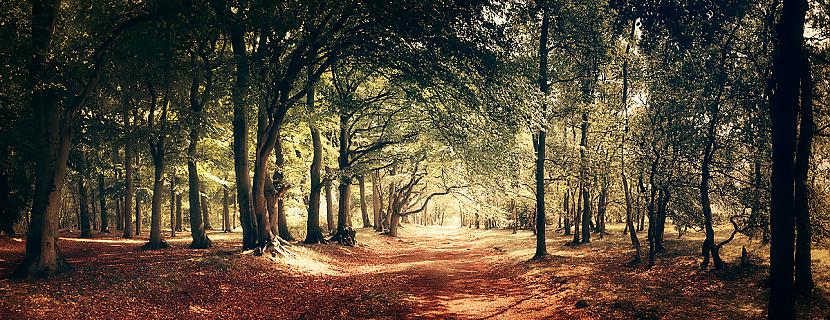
column 452, row 273
column 426, row 273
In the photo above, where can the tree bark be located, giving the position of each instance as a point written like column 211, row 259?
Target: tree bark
column 344, row 232
column 566, row 224
column 364, row 212
column 226, row 212
column 172, row 207
column 129, row 188
column 102, row 202
column 137, row 215
column 179, row 212
column 783, row 112
column 282, row 187
column 803, row 269
column 197, row 228
column 156, row 240
column 377, row 204
column 330, row 225
column 205, row 209
column 583, row 178
column 83, row 205
column 541, row 250
column 240, row 138
column 313, row 233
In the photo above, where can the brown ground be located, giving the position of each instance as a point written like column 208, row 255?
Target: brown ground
column 433, row 273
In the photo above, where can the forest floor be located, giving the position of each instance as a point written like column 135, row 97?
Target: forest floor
column 427, row 272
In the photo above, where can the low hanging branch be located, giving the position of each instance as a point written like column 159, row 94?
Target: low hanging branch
column 423, row 207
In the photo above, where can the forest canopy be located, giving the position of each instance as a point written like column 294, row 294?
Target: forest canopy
column 308, row 123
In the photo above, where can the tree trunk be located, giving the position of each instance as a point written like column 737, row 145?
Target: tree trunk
column 83, row 206
column 344, row 232
column 102, row 202
column 567, row 212
column 394, row 222
column 156, row 240
column 513, row 211
column 583, row 178
column 128, row 174
column 364, row 212
column 803, row 269
column 240, row 139
column 662, row 204
column 179, row 212
column 783, row 112
column 330, row 226
column 376, row 202
column 635, row 242
column 197, row 229
column 313, row 233
column 205, row 210
column 541, row 249
column 226, row 212
column 602, row 204
column 709, row 246
column 172, row 207
column 652, row 211
column 282, row 187
column 137, row 215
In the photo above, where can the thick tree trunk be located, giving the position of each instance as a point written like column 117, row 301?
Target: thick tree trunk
column 541, row 249
column 83, row 206
column 652, row 211
column 783, row 112
column 803, row 269
column 240, row 139
column 102, row 202
column 271, row 204
column 205, row 210
column 129, row 189
column 394, row 222
column 313, row 233
column 53, row 141
column 282, row 187
column 344, row 232
column 197, row 228
column 364, row 212
column 156, row 239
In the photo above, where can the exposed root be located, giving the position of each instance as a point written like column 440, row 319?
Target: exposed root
column 274, row 250
column 155, row 246
column 345, row 237
column 315, row 238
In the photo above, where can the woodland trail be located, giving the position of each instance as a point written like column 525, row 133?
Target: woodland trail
column 426, row 273
column 455, row 273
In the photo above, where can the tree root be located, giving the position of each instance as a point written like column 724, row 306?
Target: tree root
column 345, row 237
column 155, row 246
column 274, row 250
column 315, row 238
